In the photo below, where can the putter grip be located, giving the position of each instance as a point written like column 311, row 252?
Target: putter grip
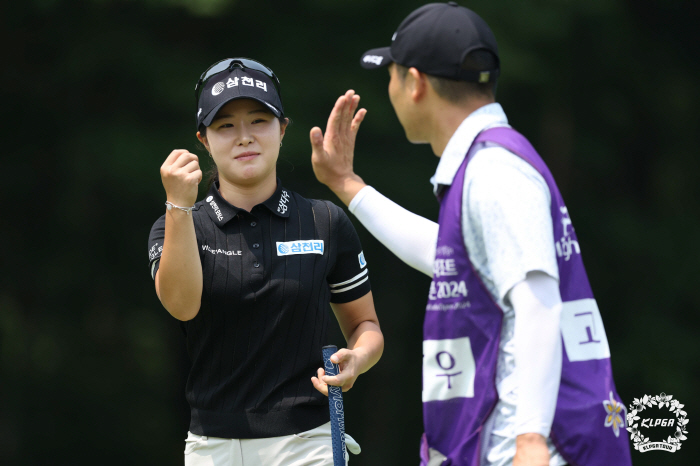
column 335, row 403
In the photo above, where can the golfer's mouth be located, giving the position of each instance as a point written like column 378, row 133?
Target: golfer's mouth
column 246, row 156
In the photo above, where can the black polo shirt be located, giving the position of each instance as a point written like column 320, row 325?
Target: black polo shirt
column 256, row 341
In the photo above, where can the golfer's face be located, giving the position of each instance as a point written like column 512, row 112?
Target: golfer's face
column 244, row 139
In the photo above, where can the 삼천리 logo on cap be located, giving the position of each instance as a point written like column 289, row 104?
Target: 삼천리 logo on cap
column 660, row 425
column 210, row 198
column 218, row 88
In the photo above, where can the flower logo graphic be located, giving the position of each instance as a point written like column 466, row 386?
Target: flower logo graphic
column 613, row 408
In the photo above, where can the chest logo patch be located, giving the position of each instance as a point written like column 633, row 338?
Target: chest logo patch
column 449, row 369
column 582, row 331
column 290, row 248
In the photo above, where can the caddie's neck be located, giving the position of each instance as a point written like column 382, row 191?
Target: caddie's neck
column 446, row 118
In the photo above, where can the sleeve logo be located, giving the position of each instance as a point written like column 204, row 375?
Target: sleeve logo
column 155, row 251
column 290, row 248
column 361, row 258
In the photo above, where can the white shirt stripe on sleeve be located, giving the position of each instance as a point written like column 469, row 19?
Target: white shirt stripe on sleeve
column 356, row 277
column 351, row 286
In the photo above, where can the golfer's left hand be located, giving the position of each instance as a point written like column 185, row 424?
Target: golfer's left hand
column 350, row 362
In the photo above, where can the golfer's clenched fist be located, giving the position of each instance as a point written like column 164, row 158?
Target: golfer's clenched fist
column 181, row 176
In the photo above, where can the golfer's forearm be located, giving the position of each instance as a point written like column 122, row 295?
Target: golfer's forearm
column 411, row 237
column 179, row 277
column 369, row 341
column 538, row 352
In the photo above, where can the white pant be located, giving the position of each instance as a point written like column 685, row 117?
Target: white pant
column 312, row 447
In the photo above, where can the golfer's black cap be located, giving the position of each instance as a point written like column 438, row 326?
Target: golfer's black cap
column 435, row 39
column 236, row 83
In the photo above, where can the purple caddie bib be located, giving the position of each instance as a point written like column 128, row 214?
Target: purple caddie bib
column 462, row 329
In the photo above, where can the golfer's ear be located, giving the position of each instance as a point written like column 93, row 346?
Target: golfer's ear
column 203, row 140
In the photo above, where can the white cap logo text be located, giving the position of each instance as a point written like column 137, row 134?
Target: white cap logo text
column 376, row 59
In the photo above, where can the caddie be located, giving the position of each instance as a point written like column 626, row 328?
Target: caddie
column 516, row 362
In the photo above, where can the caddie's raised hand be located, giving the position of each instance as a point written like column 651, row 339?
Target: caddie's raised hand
column 349, row 363
column 181, row 176
column 332, row 154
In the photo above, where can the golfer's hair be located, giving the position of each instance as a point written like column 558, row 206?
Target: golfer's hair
column 460, row 91
column 212, row 173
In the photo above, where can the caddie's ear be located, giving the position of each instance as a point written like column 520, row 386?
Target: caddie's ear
column 419, row 84
column 203, row 140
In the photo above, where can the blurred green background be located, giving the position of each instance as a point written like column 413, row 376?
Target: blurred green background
column 96, row 93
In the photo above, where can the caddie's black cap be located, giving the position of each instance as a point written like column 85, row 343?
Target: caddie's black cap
column 435, row 39
column 236, row 83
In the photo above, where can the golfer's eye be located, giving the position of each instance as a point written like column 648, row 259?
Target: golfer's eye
column 259, row 120
column 226, row 125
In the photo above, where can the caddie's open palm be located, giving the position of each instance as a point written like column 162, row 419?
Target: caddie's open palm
column 181, row 176
column 333, row 153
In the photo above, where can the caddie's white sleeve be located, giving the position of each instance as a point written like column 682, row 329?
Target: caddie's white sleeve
column 411, row 237
column 538, row 352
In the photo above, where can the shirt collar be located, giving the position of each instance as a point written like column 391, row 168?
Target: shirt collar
column 452, row 157
column 278, row 203
column 221, row 211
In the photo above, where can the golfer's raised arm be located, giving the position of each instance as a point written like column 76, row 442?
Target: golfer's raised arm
column 179, row 276
column 411, row 237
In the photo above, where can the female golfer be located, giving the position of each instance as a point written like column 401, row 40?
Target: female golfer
column 250, row 271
